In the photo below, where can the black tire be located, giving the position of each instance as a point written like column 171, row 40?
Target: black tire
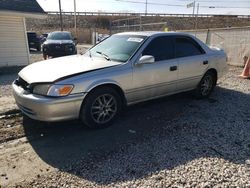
column 206, row 85
column 91, row 109
column 38, row 48
column 45, row 56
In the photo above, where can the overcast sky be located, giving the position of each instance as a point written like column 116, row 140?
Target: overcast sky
column 241, row 7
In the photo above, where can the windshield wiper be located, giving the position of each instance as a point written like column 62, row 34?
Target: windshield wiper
column 90, row 55
column 104, row 55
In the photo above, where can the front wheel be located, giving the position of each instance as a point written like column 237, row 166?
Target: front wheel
column 38, row 48
column 206, row 85
column 45, row 56
column 100, row 108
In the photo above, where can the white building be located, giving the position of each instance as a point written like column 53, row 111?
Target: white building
column 14, row 50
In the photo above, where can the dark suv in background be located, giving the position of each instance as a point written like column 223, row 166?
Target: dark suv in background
column 59, row 43
column 43, row 37
column 34, row 41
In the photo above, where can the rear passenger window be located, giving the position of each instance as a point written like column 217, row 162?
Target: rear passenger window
column 187, row 47
column 162, row 48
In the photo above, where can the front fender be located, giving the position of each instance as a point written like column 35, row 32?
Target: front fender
column 100, row 83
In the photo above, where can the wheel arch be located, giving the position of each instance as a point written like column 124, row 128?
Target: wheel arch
column 84, row 112
column 109, row 84
column 197, row 90
column 214, row 71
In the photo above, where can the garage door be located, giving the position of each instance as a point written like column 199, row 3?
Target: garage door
column 13, row 46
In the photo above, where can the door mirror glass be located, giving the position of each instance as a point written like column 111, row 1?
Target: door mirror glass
column 146, row 59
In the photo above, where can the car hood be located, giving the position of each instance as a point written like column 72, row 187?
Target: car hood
column 54, row 69
column 58, row 41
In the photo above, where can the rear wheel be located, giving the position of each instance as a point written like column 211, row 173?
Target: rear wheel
column 100, row 107
column 206, row 85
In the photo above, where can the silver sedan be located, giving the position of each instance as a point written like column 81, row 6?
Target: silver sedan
column 124, row 69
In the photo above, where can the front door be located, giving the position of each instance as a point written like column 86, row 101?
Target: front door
column 158, row 78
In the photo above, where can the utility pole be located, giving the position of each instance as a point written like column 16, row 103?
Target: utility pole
column 75, row 18
column 193, row 7
column 146, row 8
column 61, row 21
column 196, row 20
column 193, row 4
column 140, row 24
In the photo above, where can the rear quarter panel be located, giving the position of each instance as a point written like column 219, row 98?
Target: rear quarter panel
column 218, row 61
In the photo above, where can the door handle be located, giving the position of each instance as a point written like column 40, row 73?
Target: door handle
column 205, row 62
column 173, row 68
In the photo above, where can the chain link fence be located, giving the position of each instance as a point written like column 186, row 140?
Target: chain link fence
column 234, row 41
column 137, row 23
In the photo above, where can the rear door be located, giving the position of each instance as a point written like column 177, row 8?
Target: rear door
column 192, row 62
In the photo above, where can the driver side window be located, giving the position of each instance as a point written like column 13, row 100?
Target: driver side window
column 162, row 48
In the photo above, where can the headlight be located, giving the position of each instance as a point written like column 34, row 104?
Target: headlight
column 70, row 47
column 60, row 90
column 53, row 90
column 41, row 89
column 44, row 47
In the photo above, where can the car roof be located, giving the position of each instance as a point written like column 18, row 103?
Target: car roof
column 152, row 33
column 60, row 32
column 161, row 33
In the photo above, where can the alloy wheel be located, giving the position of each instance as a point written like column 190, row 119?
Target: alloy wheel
column 206, row 85
column 104, row 108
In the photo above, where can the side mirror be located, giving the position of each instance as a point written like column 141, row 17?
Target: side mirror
column 146, row 59
column 75, row 41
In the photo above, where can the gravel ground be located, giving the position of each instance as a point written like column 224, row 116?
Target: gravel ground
column 207, row 144
column 6, row 100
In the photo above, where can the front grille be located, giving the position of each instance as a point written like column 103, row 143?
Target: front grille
column 22, row 83
column 57, row 47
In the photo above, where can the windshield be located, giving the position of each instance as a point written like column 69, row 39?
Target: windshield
column 59, row 36
column 117, row 47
